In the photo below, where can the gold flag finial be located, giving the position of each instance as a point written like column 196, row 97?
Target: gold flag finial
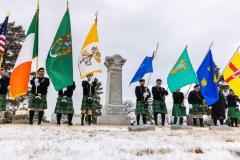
column 96, row 15
column 67, row 5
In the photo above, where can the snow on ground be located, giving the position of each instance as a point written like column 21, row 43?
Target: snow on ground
column 50, row 142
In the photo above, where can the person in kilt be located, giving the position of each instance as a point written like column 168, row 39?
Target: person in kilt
column 64, row 104
column 159, row 105
column 179, row 110
column 142, row 94
column 4, row 85
column 195, row 98
column 89, row 99
column 218, row 108
column 37, row 99
column 233, row 112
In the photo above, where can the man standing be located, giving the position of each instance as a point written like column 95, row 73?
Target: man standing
column 4, row 83
column 38, row 100
column 233, row 112
column 89, row 99
column 142, row 94
column 195, row 98
column 64, row 104
column 179, row 110
column 218, row 108
column 159, row 105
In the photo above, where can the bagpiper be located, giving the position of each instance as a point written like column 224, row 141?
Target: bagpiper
column 233, row 111
column 4, row 85
column 89, row 98
column 179, row 110
column 195, row 98
column 218, row 108
column 65, row 104
column 142, row 94
column 159, row 105
column 38, row 100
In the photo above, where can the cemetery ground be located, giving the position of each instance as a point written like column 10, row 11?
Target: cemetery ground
column 51, row 142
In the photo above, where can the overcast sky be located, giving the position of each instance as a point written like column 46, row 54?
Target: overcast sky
column 132, row 28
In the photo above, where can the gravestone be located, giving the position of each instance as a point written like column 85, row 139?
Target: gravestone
column 220, row 128
column 114, row 112
column 141, row 128
column 180, row 127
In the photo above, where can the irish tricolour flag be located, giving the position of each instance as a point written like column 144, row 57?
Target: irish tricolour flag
column 21, row 72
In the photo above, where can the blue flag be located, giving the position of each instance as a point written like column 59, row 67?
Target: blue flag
column 145, row 67
column 207, row 79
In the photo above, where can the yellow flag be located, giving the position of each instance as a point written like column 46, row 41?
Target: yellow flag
column 90, row 57
column 231, row 74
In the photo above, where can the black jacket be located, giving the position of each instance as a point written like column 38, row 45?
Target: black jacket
column 42, row 88
column 178, row 97
column 218, row 108
column 68, row 92
column 159, row 93
column 86, row 88
column 195, row 97
column 4, row 83
column 232, row 100
column 139, row 90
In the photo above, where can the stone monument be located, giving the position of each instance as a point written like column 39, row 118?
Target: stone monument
column 114, row 112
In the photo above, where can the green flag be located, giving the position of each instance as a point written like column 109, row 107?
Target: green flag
column 182, row 73
column 59, row 60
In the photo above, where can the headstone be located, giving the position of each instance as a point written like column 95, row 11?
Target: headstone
column 114, row 112
column 180, row 127
column 19, row 119
column 141, row 128
column 221, row 128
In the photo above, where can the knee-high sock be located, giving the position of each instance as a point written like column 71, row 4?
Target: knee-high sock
column 70, row 116
column 144, row 117
column 181, row 121
column 201, row 122
column 236, row 122
column 195, row 121
column 59, row 116
column 156, row 118
column 89, row 119
column 40, row 116
column 82, row 118
column 221, row 121
column 214, row 121
column 138, row 119
column 175, row 120
column 163, row 119
column 31, row 115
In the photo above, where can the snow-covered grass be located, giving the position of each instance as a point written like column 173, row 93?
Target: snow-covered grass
column 50, row 142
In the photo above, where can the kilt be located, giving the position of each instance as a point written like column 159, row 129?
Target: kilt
column 178, row 110
column 196, row 110
column 140, row 109
column 159, row 106
column 3, row 102
column 87, row 106
column 65, row 107
column 37, row 105
column 233, row 113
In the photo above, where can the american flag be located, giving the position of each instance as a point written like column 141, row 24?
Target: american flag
column 3, row 33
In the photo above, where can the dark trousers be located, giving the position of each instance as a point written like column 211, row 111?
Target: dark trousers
column 59, row 116
column 144, row 118
column 180, row 120
column 156, row 118
column 215, row 121
column 195, row 121
column 31, row 116
column 234, row 120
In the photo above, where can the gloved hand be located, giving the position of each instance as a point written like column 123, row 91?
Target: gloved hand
column 64, row 89
column 0, row 76
column 145, row 94
column 36, row 81
column 91, row 81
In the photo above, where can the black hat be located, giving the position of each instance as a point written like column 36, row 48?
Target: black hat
column 158, row 80
column 231, row 90
column 142, row 80
column 197, row 85
column 41, row 69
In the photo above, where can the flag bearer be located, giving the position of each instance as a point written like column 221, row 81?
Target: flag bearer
column 195, row 98
column 64, row 104
column 89, row 98
column 4, row 85
column 179, row 110
column 233, row 112
column 159, row 105
column 38, row 100
column 218, row 108
column 142, row 94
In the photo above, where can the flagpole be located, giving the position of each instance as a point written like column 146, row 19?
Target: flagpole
column 154, row 54
column 37, row 59
column 228, row 63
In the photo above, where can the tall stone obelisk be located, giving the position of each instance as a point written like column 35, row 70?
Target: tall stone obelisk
column 114, row 112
